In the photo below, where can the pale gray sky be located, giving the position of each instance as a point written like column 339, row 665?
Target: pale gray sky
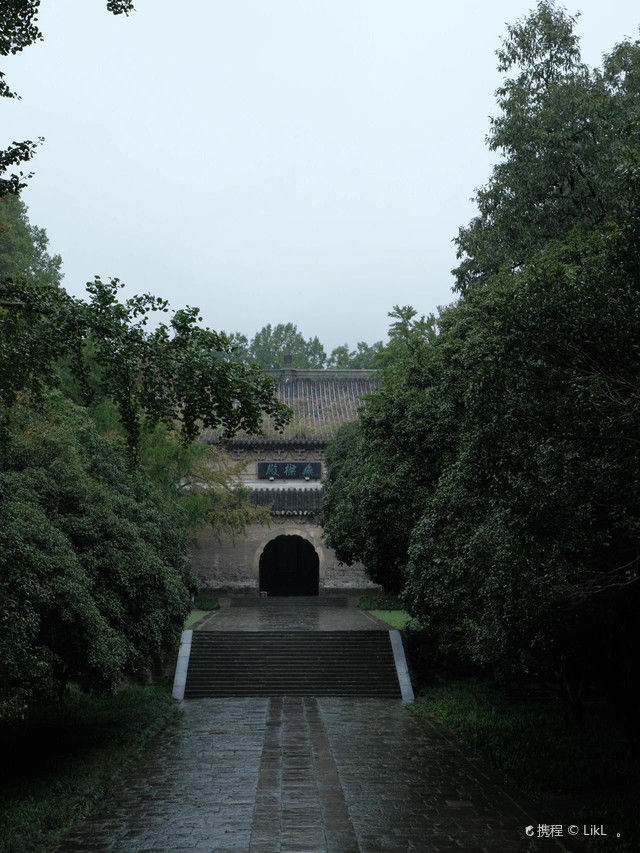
column 294, row 160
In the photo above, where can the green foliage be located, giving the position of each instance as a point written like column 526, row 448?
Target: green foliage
column 406, row 328
column 398, row 619
column 537, row 513
column 94, row 580
column 175, row 374
column 381, row 468
column 14, row 155
column 269, row 346
column 366, row 506
column 19, row 28
column 363, row 357
column 239, row 346
column 380, row 602
column 24, row 247
column 528, row 742
column 38, row 325
column 406, row 333
column 205, row 481
column 564, row 131
column 77, row 750
column 120, row 7
column 205, row 601
column 494, row 473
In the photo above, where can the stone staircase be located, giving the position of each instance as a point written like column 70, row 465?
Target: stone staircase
column 291, row 663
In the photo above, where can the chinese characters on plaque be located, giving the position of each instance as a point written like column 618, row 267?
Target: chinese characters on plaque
column 289, row 470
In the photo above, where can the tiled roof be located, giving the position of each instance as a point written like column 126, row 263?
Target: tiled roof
column 289, row 501
column 321, row 400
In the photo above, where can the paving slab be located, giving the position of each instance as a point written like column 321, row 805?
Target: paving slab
column 292, row 774
column 268, row 617
column 305, row 774
column 196, row 791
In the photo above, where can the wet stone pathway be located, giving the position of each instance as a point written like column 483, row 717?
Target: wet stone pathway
column 305, row 774
column 299, row 801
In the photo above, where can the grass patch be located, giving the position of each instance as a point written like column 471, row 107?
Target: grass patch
column 193, row 617
column 398, row 619
column 205, row 601
column 380, row 602
column 529, row 743
column 62, row 762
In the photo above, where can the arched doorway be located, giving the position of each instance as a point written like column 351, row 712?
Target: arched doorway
column 289, row 565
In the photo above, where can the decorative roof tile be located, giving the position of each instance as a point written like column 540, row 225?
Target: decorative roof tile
column 321, row 400
column 289, row 501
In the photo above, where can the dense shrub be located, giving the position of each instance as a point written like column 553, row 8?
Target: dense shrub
column 94, row 579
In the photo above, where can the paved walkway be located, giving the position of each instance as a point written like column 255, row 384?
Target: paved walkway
column 304, row 774
column 333, row 775
column 266, row 617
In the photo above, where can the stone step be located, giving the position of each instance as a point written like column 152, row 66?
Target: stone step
column 268, row 690
column 284, row 666
column 301, row 635
column 306, row 684
column 237, row 669
column 290, row 601
column 287, row 659
column 291, row 663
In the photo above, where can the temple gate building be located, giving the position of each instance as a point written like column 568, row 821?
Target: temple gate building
column 285, row 471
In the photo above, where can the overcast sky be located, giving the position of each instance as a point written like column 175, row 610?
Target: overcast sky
column 269, row 160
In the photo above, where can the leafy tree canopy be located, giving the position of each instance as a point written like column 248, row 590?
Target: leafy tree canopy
column 381, row 467
column 24, row 247
column 269, row 346
column 528, row 540
column 364, row 356
column 97, row 496
column 500, row 451
column 202, row 478
column 94, row 581
column 567, row 134
column 175, row 374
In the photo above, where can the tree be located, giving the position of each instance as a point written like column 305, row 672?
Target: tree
column 513, row 425
column 269, row 346
column 380, row 469
column 176, row 374
column 202, row 478
column 19, row 29
column 563, row 131
column 528, row 545
column 24, row 247
column 363, row 357
column 94, row 581
column 405, row 332
column 239, row 344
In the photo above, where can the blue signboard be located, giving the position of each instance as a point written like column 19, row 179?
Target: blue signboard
column 289, row 470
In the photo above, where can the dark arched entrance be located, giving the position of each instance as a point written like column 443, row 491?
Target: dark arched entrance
column 289, row 565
